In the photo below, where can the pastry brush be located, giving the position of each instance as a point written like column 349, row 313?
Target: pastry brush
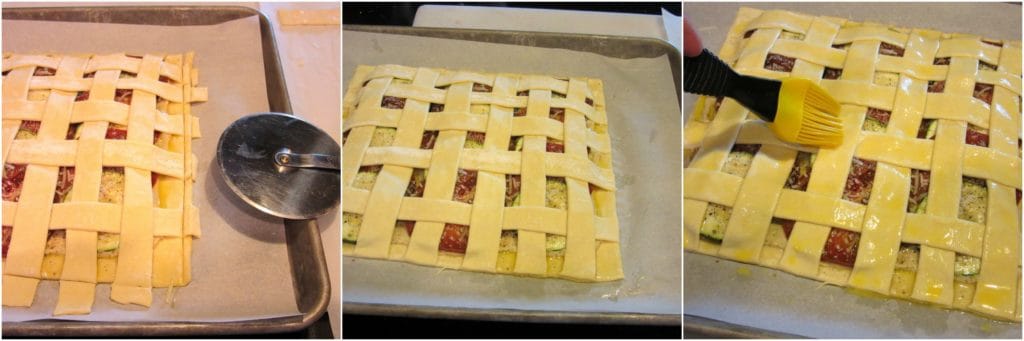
column 797, row 110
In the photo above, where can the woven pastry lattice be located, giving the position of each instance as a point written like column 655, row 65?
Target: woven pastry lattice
column 98, row 176
column 486, row 172
column 922, row 199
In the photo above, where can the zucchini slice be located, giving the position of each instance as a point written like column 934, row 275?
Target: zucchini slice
column 350, row 227
column 107, row 242
column 966, row 265
column 554, row 243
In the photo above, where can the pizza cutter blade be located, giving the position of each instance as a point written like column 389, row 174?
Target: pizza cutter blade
column 281, row 165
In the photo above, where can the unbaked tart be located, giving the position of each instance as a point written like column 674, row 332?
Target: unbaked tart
column 498, row 173
column 98, row 175
column 922, row 199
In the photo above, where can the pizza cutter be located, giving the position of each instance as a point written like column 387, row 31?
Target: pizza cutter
column 281, row 165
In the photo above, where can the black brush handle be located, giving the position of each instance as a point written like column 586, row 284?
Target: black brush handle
column 707, row 75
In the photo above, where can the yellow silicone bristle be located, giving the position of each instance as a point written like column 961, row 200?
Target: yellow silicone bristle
column 807, row 114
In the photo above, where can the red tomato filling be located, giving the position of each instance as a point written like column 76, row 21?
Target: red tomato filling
column 65, row 177
column 465, row 186
column 841, row 247
column 831, row 73
column 477, row 137
column 429, row 137
column 983, row 92
column 7, row 230
column 477, row 87
column 890, row 50
column 976, row 136
column 454, row 238
column 555, row 146
column 936, row 86
column 778, row 62
column 513, row 183
column 14, row 176
column 800, row 175
column 123, row 96
column 116, row 133
column 919, row 183
column 391, row 102
column 557, row 114
column 882, row 116
column 860, row 180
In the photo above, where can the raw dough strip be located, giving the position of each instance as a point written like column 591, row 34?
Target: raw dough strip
column 928, row 56
column 589, row 223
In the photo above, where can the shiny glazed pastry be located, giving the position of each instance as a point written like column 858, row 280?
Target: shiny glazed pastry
column 98, row 176
column 922, row 199
column 499, row 173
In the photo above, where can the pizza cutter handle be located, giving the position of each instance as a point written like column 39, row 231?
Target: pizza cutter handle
column 286, row 158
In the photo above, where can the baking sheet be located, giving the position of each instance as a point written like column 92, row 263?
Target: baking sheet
column 240, row 264
column 644, row 127
column 778, row 301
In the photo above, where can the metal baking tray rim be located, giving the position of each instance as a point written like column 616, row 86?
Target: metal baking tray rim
column 511, row 315
column 308, row 261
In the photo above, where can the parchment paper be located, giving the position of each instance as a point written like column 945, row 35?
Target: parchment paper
column 644, row 125
column 240, row 268
column 776, row 300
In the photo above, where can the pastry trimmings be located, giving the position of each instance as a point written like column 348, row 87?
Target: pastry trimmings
column 919, row 182
column 841, row 247
column 973, row 200
column 778, row 62
column 859, row 181
column 876, row 120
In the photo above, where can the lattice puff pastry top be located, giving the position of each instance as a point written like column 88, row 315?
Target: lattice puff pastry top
column 98, row 176
column 922, row 199
column 486, row 172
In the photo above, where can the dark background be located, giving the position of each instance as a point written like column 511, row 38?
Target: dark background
column 364, row 326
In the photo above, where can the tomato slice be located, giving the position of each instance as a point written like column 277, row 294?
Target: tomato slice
column 7, row 231
column 454, row 238
column 115, row 133
column 465, row 186
column 14, row 176
column 555, row 146
column 841, row 247
column 977, row 138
